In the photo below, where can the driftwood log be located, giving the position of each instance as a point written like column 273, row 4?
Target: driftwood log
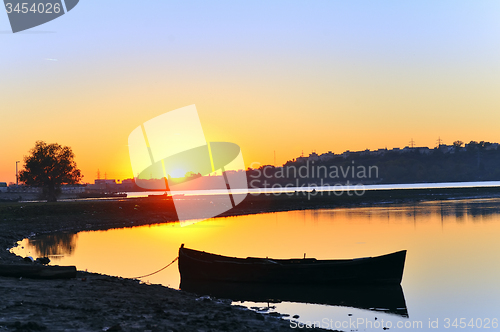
column 36, row 271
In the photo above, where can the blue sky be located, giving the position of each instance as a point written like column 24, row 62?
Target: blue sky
column 378, row 72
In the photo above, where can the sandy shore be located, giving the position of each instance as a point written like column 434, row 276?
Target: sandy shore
column 94, row 302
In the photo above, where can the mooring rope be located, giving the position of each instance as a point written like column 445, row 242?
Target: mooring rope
column 163, row 268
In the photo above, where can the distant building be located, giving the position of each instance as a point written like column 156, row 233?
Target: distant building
column 72, row 189
column 365, row 153
column 313, row 156
column 23, row 189
column 111, row 185
column 447, row 148
column 3, row 186
column 302, row 159
column 493, row 146
column 127, row 185
column 104, row 181
column 423, row 150
column 327, row 156
column 102, row 185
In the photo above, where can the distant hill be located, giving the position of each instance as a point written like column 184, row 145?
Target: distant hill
column 476, row 161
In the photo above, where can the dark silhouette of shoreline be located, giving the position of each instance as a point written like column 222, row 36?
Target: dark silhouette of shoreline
column 446, row 163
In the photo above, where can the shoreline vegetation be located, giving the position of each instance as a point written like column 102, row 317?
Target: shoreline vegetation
column 94, row 302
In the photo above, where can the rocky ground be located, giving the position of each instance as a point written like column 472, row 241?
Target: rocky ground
column 93, row 302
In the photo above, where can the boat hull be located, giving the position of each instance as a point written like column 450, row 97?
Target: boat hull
column 199, row 265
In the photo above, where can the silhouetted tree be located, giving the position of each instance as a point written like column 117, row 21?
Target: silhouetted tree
column 49, row 166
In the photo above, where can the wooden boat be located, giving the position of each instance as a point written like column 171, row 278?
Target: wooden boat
column 199, row 265
column 385, row 298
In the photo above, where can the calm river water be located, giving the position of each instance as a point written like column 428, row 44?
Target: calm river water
column 451, row 279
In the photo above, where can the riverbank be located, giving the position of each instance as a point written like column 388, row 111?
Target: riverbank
column 94, row 302
column 24, row 219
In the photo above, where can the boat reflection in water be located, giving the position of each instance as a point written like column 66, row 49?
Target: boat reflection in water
column 386, row 298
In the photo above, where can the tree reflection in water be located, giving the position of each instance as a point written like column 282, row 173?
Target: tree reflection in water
column 54, row 244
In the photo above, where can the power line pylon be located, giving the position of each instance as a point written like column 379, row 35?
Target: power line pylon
column 439, row 141
column 412, row 143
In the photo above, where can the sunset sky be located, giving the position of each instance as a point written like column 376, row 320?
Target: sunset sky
column 284, row 76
